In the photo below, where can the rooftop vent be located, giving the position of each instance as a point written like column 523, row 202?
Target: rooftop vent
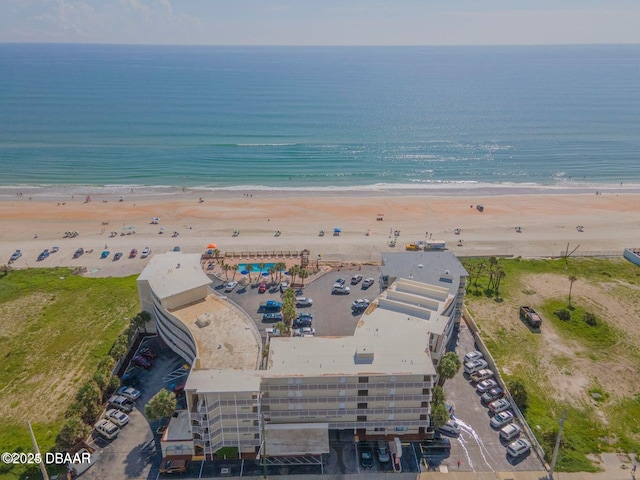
column 363, row 355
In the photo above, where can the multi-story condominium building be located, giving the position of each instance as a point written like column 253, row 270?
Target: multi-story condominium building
column 376, row 382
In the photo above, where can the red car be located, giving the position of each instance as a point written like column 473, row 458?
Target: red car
column 262, row 287
column 133, row 253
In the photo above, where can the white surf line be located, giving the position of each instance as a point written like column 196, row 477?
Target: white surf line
column 483, row 450
column 466, row 452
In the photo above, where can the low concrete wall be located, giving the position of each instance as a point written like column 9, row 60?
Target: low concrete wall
column 493, row 366
column 633, row 255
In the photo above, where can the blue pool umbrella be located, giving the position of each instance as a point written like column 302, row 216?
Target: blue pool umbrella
column 265, row 274
column 287, row 273
column 337, row 230
column 244, row 272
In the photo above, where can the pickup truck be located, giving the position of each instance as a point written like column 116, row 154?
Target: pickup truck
column 530, row 316
column 270, row 306
column 481, row 375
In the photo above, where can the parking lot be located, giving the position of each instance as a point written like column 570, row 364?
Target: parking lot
column 478, row 447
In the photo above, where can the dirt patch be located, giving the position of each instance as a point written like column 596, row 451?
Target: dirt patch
column 565, row 366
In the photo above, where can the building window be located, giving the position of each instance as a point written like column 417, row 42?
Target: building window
column 392, row 404
column 393, row 379
column 342, row 393
column 379, row 429
column 424, row 404
column 423, row 417
column 401, row 429
column 362, row 405
column 390, row 417
column 363, row 393
column 361, row 418
column 343, row 380
column 342, row 406
column 392, row 391
column 363, row 379
column 425, row 391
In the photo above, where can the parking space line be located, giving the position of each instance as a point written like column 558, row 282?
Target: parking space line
column 357, row 459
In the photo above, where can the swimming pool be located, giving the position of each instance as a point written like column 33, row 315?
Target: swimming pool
column 255, row 268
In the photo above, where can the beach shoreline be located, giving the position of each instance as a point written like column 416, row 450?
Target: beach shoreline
column 547, row 222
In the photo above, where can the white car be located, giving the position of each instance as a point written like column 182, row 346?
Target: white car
column 500, row 405
column 117, row 417
column 471, row 356
column 486, row 385
column 145, row 253
column 230, row 286
column 340, row 289
column 475, row 365
column 356, row 279
column 128, row 392
column 304, row 332
column 510, row 431
column 501, row 419
column 360, row 304
column 519, row 447
column 368, row 282
column 303, row 302
column 107, row 429
column 451, row 428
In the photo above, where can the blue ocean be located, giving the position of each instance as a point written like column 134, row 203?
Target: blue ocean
column 316, row 117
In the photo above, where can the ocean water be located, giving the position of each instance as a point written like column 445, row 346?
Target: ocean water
column 339, row 117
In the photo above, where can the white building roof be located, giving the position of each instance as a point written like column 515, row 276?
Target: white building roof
column 173, row 273
column 227, row 380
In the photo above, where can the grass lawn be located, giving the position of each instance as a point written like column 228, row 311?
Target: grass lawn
column 56, row 327
column 588, row 370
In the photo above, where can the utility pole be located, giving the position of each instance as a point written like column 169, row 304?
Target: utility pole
column 36, row 450
column 557, row 447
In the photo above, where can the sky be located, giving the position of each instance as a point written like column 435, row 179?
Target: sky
column 321, row 22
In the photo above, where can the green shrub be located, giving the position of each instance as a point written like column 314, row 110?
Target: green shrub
column 590, row 319
column 563, row 314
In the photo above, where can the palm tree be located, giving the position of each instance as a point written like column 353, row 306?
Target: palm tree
column 303, row 274
column 480, row 266
column 280, row 267
column 448, row 367
column 161, row 405
column 225, row 268
column 235, row 270
column 272, row 271
column 261, row 267
column 572, row 278
column 215, row 253
column 249, row 267
column 293, row 271
column 500, row 274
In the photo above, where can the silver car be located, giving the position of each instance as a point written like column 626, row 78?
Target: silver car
column 501, row 419
column 451, row 428
column 519, row 447
column 303, row 302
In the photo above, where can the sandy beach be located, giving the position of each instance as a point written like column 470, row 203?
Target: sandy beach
column 548, row 223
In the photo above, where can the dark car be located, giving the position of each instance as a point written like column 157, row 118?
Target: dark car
column 78, row 253
column 272, row 317
column 491, row 395
column 262, row 287
column 16, row 255
column 305, row 316
column 438, row 444
column 298, row 323
column 117, row 256
column 148, row 353
column 174, row 466
column 133, row 253
column 366, row 454
column 141, row 361
column 341, row 281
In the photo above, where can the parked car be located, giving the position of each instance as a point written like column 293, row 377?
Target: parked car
column 481, row 375
column 491, row 395
column 304, row 331
column 471, row 356
column 43, row 255
column 272, row 317
column 509, row 431
column 356, row 279
column 501, row 419
column 128, row 392
column 383, row 451
column 367, row 283
column 104, row 254
column 300, row 323
column 438, row 444
column 475, row 365
column 78, row 253
column 174, row 466
column 107, row 429
column 140, row 361
column 147, row 352
column 339, row 289
column 262, row 287
column 303, row 302
column 340, row 281
column 230, row 286
column 283, row 286
column 451, row 428
column 499, row 405
column 486, row 385
column 117, row 256
column 176, row 248
column 274, row 332
column 360, row 304
column 305, row 316
column 16, row 255
column 519, row 447
column 145, row 253
column 121, row 403
column 117, row 417
column 133, row 253
column 366, row 454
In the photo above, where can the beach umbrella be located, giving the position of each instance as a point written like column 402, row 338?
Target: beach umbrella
column 337, row 230
column 287, row 273
column 265, row 274
column 212, row 245
column 244, row 272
